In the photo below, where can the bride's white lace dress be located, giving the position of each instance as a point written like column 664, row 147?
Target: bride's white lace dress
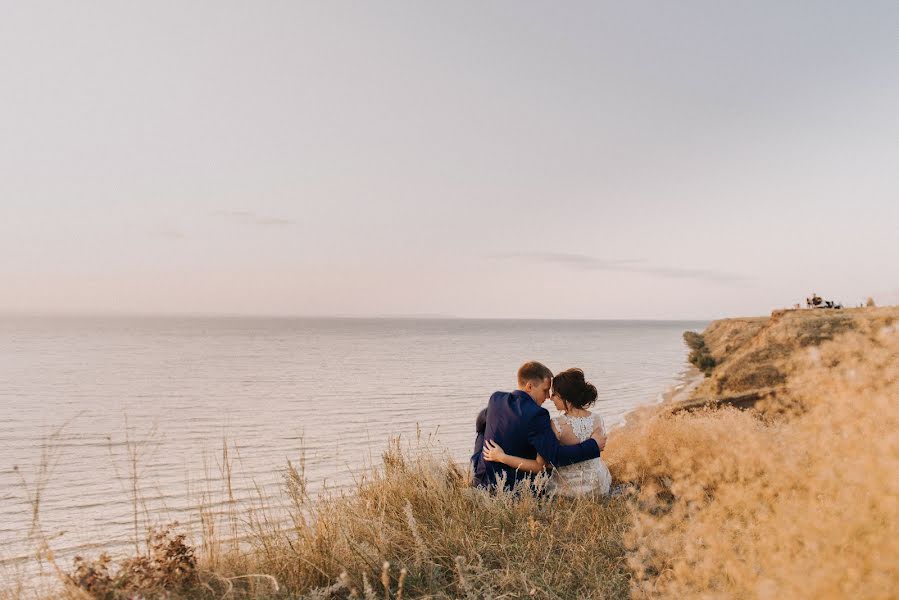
column 585, row 478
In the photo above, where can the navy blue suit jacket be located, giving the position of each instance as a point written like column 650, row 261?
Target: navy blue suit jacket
column 515, row 422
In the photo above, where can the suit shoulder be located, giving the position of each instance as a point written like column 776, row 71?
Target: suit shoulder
column 498, row 397
column 538, row 412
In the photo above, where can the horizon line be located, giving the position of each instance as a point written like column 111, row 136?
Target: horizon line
column 348, row 317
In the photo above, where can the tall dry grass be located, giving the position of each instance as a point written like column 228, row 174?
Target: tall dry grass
column 421, row 516
column 804, row 504
column 413, row 528
column 803, row 507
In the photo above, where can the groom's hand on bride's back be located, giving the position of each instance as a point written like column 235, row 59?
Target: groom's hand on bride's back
column 600, row 439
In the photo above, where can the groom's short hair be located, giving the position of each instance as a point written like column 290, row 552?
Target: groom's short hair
column 533, row 371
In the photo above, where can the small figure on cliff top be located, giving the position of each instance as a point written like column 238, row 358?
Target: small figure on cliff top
column 817, row 301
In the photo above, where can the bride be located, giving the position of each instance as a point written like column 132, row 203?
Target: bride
column 572, row 395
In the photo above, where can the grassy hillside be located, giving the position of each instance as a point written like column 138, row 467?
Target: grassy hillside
column 754, row 357
column 795, row 498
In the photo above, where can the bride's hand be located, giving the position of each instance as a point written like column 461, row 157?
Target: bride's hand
column 493, row 452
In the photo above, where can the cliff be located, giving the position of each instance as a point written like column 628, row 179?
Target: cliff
column 755, row 357
column 795, row 495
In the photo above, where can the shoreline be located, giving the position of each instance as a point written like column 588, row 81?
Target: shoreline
column 681, row 388
column 688, row 380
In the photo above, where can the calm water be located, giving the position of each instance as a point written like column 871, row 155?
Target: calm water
column 177, row 387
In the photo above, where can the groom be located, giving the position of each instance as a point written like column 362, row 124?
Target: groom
column 516, row 422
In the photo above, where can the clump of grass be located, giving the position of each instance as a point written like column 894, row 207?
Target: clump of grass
column 800, row 507
column 699, row 356
column 169, row 568
column 759, row 368
column 813, row 332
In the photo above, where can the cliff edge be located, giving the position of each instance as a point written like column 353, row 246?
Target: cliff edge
column 754, row 357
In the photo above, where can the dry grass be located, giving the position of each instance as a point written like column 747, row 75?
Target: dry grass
column 801, row 504
column 411, row 529
column 725, row 337
column 452, row 541
column 803, row 507
column 754, row 358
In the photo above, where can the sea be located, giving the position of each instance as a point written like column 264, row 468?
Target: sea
column 111, row 424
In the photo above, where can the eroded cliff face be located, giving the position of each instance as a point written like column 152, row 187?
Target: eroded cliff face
column 755, row 357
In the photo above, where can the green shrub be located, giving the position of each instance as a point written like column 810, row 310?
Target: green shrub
column 699, row 356
column 694, row 340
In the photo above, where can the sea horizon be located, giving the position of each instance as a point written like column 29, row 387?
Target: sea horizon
column 337, row 317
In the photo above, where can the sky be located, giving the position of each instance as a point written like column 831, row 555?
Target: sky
column 647, row 160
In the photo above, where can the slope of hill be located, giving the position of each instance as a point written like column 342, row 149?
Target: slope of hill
column 754, row 357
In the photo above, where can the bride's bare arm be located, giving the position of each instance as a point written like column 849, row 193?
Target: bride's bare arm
column 599, row 434
column 493, row 452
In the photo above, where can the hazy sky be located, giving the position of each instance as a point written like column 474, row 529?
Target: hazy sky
column 483, row 159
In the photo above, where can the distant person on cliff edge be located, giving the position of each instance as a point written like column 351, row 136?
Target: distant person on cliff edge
column 517, row 422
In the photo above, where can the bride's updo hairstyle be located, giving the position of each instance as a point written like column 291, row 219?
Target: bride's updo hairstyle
column 574, row 389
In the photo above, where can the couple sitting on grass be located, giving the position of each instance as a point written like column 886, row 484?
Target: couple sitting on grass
column 516, row 437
